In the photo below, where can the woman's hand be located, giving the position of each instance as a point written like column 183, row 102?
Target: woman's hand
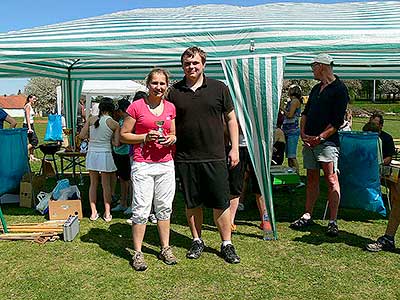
column 152, row 136
column 169, row 140
column 30, row 130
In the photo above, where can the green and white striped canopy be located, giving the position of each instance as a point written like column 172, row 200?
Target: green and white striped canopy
column 363, row 37
column 252, row 48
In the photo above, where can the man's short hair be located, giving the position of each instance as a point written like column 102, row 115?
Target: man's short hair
column 192, row 51
column 377, row 115
column 370, row 126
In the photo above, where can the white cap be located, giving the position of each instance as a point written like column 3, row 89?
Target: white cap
column 323, row 59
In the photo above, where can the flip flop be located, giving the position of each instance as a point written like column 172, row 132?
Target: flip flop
column 95, row 218
column 107, row 219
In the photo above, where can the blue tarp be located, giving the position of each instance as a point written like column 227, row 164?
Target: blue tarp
column 13, row 158
column 359, row 171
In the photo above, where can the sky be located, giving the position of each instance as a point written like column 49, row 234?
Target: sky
column 21, row 14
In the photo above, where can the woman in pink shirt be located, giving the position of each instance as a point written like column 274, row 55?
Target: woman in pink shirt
column 150, row 127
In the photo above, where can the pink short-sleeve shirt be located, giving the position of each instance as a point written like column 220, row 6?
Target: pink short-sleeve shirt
column 146, row 121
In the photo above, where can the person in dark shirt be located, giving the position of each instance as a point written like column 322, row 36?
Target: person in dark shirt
column 321, row 119
column 386, row 242
column 388, row 148
column 200, row 158
column 5, row 117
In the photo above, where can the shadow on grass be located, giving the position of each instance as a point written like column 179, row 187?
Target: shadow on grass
column 117, row 240
column 317, row 236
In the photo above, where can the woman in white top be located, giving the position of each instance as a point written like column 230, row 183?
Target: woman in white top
column 102, row 131
column 28, row 123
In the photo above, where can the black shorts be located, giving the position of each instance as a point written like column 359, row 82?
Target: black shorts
column 204, row 184
column 32, row 137
column 236, row 175
column 123, row 164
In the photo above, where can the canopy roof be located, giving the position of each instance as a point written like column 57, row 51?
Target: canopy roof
column 363, row 37
column 111, row 87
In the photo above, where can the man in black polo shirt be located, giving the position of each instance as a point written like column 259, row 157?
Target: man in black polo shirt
column 386, row 242
column 200, row 158
column 322, row 117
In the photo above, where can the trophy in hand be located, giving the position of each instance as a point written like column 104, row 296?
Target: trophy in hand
column 159, row 125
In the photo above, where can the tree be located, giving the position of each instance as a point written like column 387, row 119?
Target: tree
column 354, row 87
column 389, row 87
column 45, row 91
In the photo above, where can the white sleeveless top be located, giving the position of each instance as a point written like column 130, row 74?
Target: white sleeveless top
column 31, row 114
column 100, row 137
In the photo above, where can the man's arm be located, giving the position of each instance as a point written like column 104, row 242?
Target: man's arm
column 233, row 130
column 11, row 121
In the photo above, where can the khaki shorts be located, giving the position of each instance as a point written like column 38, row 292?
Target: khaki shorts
column 326, row 152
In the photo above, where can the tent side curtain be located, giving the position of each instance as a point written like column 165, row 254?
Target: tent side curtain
column 71, row 92
column 256, row 85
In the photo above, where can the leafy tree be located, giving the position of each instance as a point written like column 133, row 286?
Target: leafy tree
column 45, row 91
column 389, row 87
column 354, row 87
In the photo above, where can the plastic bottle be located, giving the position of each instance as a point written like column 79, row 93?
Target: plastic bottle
column 266, row 227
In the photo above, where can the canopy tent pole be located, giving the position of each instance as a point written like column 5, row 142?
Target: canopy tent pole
column 256, row 85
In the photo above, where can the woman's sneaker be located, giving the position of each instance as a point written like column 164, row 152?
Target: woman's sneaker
column 167, row 256
column 382, row 243
column 138, row 262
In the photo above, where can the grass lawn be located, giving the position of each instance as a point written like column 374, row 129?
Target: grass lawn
column 298, row 265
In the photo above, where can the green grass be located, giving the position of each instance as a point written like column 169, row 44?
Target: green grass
column 298, row 265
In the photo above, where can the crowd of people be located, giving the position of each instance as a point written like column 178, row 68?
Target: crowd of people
column 190, row 131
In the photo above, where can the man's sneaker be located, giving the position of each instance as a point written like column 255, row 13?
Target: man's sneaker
column 195, row 250
column 382, row 243
column 153, row 219
column 128, row 211
column 167, row 256
column 138, row 262
column 301, row 223
column 332, row 229
column 229, row 254
column 119, row 207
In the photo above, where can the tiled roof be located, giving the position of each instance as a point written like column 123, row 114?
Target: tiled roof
column 12, row 101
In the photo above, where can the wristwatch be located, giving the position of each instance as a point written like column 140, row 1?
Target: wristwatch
column 321, row 139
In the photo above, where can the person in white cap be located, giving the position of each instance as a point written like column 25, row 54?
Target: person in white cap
column 322, row 117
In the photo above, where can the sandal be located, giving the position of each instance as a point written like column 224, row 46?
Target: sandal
column 107, row 219
column 95, row 218
column 301, row 223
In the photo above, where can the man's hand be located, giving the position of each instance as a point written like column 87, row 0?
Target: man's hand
column 310, row 140
column 233, row 158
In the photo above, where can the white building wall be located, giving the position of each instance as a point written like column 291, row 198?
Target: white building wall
column 14, row 112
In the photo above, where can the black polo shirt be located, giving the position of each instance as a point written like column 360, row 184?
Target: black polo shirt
column 388, row 148
column 326, row 107
column 199, row 125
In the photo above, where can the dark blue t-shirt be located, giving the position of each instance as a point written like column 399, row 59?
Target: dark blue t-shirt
column 3, row 116
column 326, row 107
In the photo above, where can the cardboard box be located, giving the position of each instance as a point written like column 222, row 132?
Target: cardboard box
column 25, row 195
column 62, row 209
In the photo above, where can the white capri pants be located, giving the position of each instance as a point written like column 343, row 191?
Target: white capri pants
column 153, row 184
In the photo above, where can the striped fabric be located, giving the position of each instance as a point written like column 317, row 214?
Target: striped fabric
column 119, row 45
column 256, row 85
column 71, row 91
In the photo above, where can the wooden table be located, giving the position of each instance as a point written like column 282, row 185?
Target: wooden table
column 73, row 159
